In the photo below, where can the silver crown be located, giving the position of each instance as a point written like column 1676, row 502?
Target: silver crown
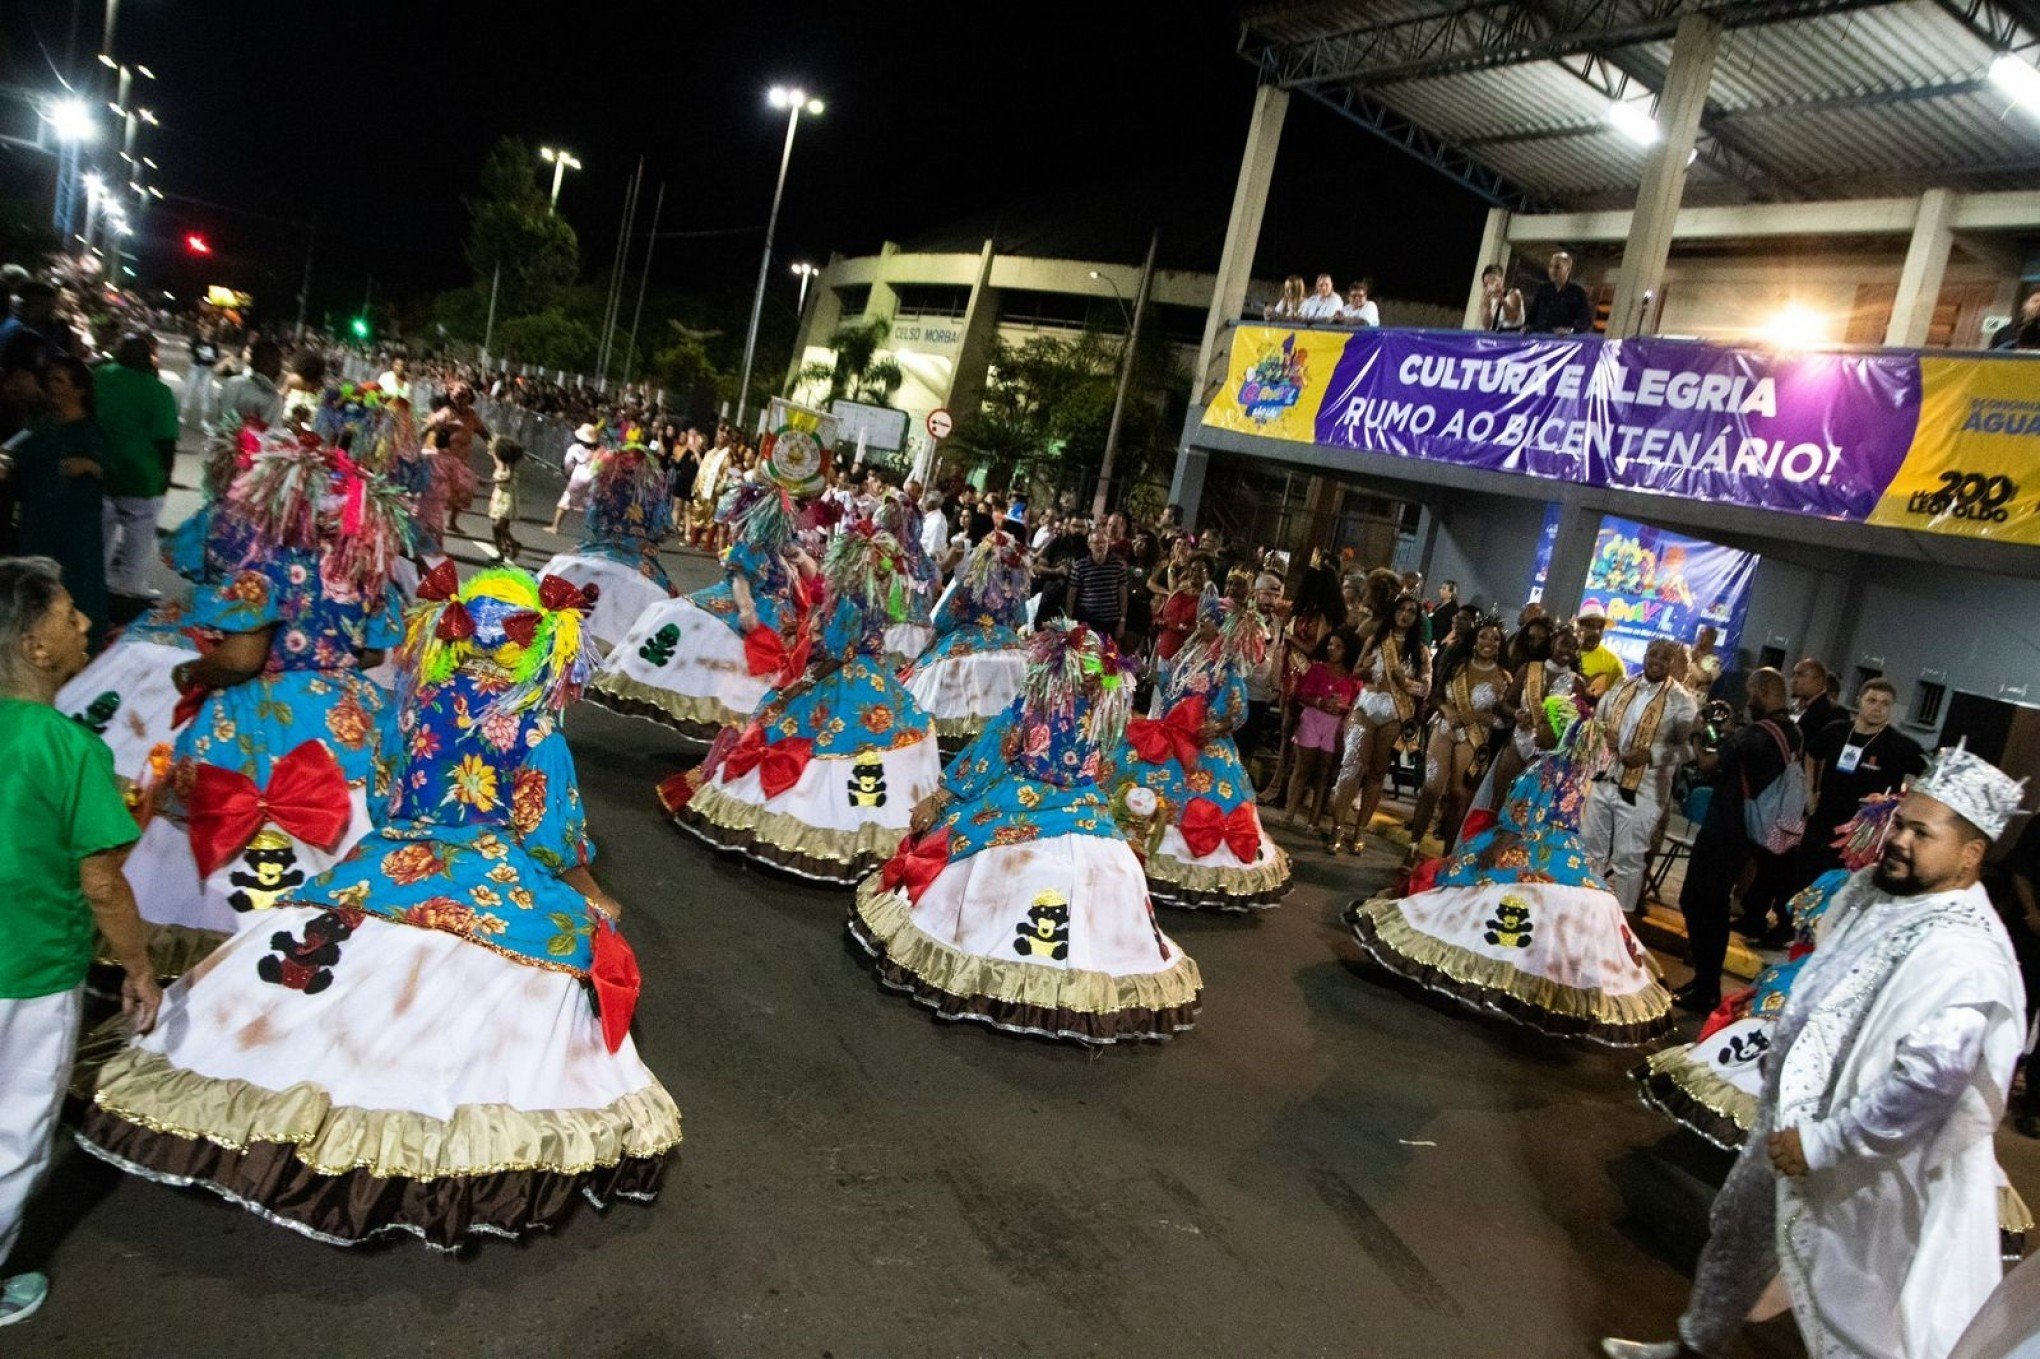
column 1972, row 787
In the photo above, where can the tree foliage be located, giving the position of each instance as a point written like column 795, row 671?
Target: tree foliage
column 512, row 228
column 1047, row 410
column 694, row 382
column 550, row 339
column 860, row 371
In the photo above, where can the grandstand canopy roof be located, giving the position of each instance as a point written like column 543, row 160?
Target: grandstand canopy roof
column 1810, row 99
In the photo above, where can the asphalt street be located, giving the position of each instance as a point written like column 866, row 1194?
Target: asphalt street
column 1330, row 1163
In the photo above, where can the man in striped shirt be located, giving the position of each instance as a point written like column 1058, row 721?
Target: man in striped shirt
column 1098, row 587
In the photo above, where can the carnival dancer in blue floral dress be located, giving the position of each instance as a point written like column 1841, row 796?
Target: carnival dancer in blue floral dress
column 1213, row 853
column 629, row 514
column 1516, row 923
column 704, row 661
column 1018, row 902
column 973, row 669
column 910, row 634
column 126, row 694
column 433, row 1037
column 823, row 779
column 270, row 777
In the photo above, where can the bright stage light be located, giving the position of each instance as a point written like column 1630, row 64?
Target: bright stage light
column 71, row 120
column 1796, row 327
column 1633, row 121
column 2017, row 78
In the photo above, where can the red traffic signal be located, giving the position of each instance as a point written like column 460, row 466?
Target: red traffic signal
column 197, row 244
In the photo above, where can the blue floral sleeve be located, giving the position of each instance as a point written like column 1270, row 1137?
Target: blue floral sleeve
column 982, row 763
column 246, row 601
column 1229, row 701
column 844, row 629
column 385, row 627
column 744, row 560
column 545, row 807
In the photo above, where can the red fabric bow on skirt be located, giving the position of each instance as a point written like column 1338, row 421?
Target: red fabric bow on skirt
column 307, row 798
column 1205, row 828
column 766, row 653
column 614, row 973
column 779, row 763
column 1177, row 734
column 916, row 863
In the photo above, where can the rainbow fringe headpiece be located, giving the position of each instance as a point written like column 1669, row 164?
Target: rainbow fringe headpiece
column 1860, row 839
column 299, row 493
column 629, row 473
column 865, row 564
column 504, row 624
column 1066, row 661
column 996, row 573
column 1241, row 640
column 761, row 513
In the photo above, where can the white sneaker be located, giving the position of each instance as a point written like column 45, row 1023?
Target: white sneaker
column 1642, row 1349
column 21, row 1296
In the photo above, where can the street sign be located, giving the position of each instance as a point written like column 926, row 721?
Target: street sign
column 940, row 423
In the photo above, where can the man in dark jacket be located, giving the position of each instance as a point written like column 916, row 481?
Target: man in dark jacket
column 1743, row 767
column 1560, row 306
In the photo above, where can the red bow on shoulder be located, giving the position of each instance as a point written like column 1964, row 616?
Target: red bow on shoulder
column 1205, row 828
column 779, row 763
column 614, row 972
column 766, row 653
column 557, row 592
column 916, row 863
column 1178, row 734
column 441, row 582
column 307, row 797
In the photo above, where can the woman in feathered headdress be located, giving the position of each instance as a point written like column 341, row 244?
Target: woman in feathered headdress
column 446, row 1011
column 972, row 670
column 629, row 516
column 1517, row 923
column 1018, row 902
column 1213, row 852
column 703, row 662
column 823, row 778
column 279, row 716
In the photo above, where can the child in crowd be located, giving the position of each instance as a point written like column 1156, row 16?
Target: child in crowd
column 1326, row 691
column 506, row 453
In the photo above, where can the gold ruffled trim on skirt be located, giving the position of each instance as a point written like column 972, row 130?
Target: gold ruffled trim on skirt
column 143, row 1088
column 1625, row 1020
column 888, row 918
column 683, row 710
column 960, row 728
column 869, row 843
column 1259, row 881
column 2013, row 1214
column 1699, row 1083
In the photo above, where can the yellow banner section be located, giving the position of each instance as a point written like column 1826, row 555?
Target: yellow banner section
column 1276, row 382
column 1974, row 467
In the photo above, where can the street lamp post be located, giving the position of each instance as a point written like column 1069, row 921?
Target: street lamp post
column 70, row 121
column 795, row 102
column 806, row 273
column 1140, row 297
column 561, row 162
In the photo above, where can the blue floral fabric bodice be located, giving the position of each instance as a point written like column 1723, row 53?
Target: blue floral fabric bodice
column 1219, row 776
column 484, row 815
column 771, row 582
column 1774, row 983
column 1535, row 837
column 858, row 705
column 320, row 624
column 625, row 526
column 1048, row 786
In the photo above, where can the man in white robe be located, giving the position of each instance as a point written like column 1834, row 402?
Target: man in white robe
column 1869, row 1183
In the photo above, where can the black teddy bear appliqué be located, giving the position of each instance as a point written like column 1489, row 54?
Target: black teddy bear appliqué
column 307, row 964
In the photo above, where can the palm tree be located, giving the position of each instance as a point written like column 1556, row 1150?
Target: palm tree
column 858, row 371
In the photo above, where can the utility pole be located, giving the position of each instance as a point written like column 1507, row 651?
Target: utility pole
column 489, row 328
column 1140, row 297
column 305, row 287
column 615, row 306
column 651, row 244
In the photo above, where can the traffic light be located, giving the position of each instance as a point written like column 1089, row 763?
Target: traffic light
column 360, row 327
column 197, row 244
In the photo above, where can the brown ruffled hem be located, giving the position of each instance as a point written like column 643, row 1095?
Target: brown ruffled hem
column 1185, row 898
column 352, row 1208
column 747, row 841
column 1077, row 1026
column 1495, row 1000
column 695, row 726
column 1660, row 1092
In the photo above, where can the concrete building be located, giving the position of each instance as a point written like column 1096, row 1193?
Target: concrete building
column 1826, row 171
column 945, row 303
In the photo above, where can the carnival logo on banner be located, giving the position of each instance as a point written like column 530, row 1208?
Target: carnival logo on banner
column 1275, row 382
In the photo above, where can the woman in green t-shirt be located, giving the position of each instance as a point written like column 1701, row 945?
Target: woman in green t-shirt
column 68, row 829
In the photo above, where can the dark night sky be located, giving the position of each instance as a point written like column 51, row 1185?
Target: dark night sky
column 375, row 118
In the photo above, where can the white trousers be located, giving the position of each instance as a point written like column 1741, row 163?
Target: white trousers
column 1615, row 836
column 130, row 524
column 37, row 1039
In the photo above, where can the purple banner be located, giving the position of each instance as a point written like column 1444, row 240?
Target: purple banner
column 1808, row 433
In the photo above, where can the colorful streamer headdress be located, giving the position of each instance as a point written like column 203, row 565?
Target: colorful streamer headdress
column 502, row 624
column 1066, row 661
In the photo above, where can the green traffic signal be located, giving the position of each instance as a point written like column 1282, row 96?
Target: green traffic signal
column 361, row 327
